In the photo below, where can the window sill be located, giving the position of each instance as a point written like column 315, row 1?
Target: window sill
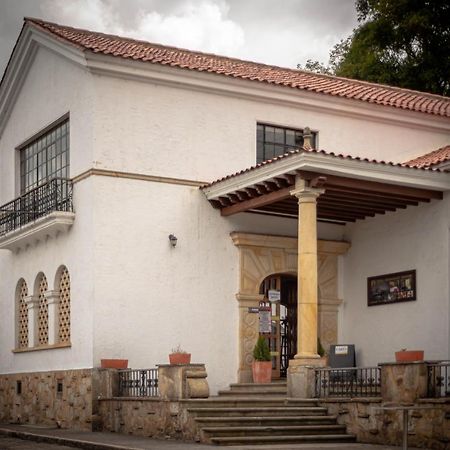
column 50, row 225
column 42, row 347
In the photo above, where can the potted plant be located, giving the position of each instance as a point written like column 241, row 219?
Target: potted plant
column 322, row 352
column 179, row 356
column 408, row 355
column 262, row 364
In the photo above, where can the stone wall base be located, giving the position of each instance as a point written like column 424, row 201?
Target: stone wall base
column 63, row 398
column 149, row 417
column 428, row 428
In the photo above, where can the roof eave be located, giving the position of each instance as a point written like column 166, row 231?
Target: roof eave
column 332, row 165
column 22, row 57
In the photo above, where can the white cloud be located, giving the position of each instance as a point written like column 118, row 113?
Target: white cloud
column 200, row 25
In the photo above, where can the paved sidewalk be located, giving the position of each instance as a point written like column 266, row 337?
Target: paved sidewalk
column 112, row 441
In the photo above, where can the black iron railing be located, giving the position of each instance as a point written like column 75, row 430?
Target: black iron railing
column 348, row 382
column 138, row 383
column 438, row 379
column 54, row 195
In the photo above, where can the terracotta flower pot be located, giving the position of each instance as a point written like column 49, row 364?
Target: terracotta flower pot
column 180, row 358
column 114, row 363
column 409, row 355
column 262, row 371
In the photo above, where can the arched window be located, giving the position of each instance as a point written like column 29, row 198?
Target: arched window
column 42, row 287
column 64, row 305
column 21, row 314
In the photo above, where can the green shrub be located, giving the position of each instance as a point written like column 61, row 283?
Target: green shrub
column 261, row 352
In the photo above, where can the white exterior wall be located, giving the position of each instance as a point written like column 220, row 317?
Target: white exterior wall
column 151, row 297
column 52, row 88
column 415, row 238
column 167, row 131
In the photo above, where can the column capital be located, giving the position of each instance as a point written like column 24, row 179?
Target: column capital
column 52, row 297
column 305, row 193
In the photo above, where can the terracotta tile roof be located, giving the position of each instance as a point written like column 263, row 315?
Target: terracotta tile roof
column 430, row 159
column 231, row 67
column 320, row 152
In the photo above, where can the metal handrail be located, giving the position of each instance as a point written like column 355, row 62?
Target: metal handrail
column 53, row 195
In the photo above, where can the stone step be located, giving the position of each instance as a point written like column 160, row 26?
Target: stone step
column 276, row 385
column 274, row 430
column 252, row 411
column 265, row 420
column 295, row 439
column 255, row 391
column 238, row 401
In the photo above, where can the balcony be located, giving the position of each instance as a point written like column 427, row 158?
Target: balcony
column 41, row 212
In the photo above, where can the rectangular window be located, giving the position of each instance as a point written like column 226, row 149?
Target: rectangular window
column 274, row 141
column 18, row 387
column 45, row 157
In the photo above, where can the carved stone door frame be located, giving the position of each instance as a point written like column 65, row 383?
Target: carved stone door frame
column 263, row 255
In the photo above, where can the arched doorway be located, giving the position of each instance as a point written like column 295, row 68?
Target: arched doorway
column 280, row 300
column 261, row 256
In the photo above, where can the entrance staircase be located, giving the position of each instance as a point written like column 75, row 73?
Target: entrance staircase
column 253, row 414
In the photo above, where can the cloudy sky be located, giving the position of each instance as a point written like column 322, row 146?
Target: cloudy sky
column 280, row 32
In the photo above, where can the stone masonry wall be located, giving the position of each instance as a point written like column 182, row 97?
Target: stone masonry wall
column 40, row 402
column 150, row 417
column 427, row 428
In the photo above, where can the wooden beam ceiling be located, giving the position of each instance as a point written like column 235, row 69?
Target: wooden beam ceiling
column 344, row 199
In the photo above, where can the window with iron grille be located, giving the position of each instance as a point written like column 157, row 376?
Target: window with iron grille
column 45, row 157
column 274, row 141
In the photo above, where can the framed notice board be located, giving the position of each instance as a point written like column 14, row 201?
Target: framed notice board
column 391, row 288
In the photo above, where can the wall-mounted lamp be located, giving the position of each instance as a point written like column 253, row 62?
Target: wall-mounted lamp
column 173, row 240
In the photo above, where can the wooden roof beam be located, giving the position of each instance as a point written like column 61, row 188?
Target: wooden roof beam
column 257, row 202
column 375, row 187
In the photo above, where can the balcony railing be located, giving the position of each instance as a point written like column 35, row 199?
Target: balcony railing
column 54, row 195
column 438, row 379
column 348, row 382
column 138, row 383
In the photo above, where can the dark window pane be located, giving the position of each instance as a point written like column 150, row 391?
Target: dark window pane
column 290, row 138
column 269, row 134
column 279, row 136
column 44, row 158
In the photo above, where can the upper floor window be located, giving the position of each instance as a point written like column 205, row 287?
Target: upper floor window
column 45, row 157
column 275, row 141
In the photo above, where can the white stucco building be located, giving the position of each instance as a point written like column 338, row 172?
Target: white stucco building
column 135, row 132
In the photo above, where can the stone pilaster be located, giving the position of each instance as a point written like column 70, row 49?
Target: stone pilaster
column 53, row 299
column 307, row 270
column 32, row 302
column 248, row 334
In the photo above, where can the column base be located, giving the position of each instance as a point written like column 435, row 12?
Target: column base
column 308, row 356
column 301, row 376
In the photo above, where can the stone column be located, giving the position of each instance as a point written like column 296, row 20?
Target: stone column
column 32, row 302
column 307, row 271
column 248, row 334
column 53, row 299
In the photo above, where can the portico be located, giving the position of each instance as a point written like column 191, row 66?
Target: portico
column 311, row 186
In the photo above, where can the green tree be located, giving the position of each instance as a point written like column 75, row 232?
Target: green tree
column 403, row 43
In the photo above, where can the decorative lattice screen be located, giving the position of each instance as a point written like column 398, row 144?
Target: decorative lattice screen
column 64, row 306
column 43, row 312
column 22, row 315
